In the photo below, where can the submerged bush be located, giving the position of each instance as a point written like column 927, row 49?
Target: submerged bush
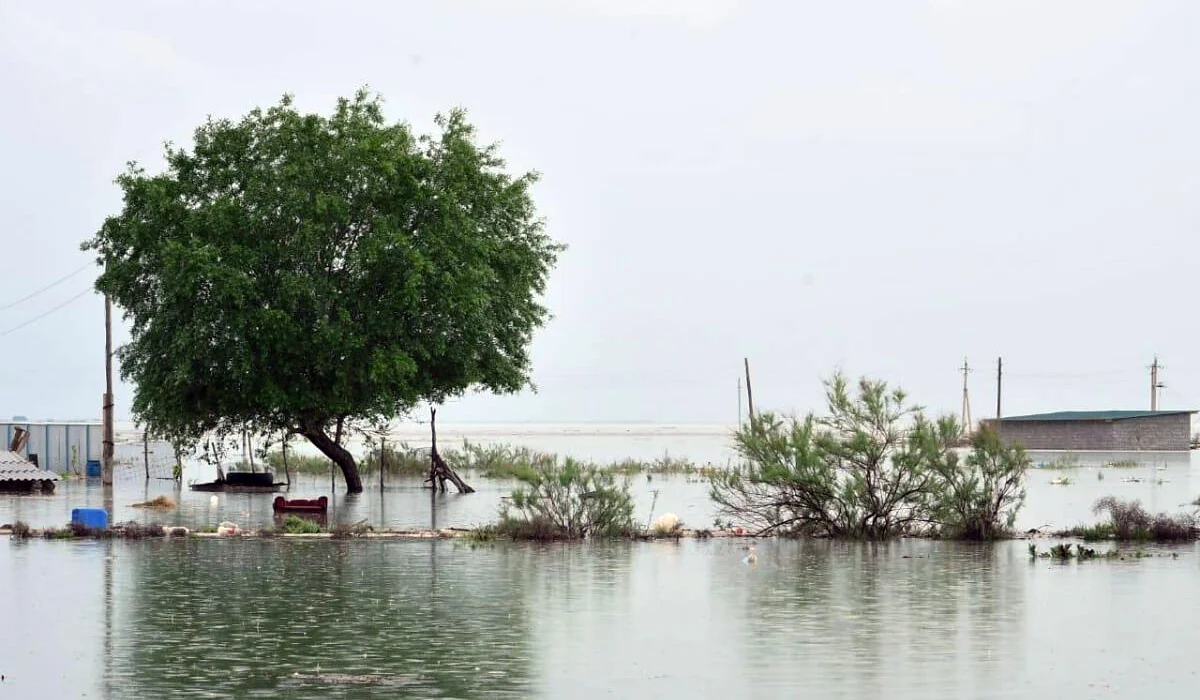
column 20, row 530
column 873, row 467
column 977, row 498
column 1128, row 520
column 570, row 500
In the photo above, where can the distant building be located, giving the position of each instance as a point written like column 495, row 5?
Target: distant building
column 1115, row 431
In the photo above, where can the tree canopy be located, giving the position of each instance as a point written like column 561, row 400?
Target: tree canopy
column 295, row 272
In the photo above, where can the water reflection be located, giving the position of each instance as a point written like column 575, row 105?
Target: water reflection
column 240, row 618
column 904, row 619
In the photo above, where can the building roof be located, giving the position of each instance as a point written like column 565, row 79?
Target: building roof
column 1094, row 415
column 14, row 467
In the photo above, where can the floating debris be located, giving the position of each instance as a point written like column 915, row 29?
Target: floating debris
column 159, row 503
column 228, row 528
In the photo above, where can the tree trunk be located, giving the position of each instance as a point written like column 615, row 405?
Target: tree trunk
column 340, row 456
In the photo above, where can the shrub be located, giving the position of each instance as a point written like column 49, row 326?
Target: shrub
column 866, row 470
column 295, row 525
column 20, row 530
column 978, row 499
column 570, row 500
column 1129, row 521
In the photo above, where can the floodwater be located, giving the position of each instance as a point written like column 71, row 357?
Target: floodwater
column 905, row 619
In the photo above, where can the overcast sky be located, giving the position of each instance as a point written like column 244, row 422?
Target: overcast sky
column 884, row 187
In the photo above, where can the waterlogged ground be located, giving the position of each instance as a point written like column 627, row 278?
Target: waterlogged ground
column 319, row 619
column 1161, row 481
column 908, row 619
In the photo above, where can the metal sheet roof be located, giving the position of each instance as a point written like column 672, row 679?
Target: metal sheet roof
column 14, row 467
column 1094, row 415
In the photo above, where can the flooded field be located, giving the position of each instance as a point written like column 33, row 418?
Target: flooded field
column 909, row 619
column 318, row 619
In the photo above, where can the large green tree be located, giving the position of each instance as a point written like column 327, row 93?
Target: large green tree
column 303, row 273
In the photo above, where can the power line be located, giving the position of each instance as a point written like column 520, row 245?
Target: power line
column 52, row 285
column 40, row 316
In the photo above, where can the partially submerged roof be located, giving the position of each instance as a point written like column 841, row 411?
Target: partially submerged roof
column 1094, row 415
column 14, row 467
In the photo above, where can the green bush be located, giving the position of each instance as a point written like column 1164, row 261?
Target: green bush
column 873, row 467
column 570, row 500
column 977, row 498
column 865, row 470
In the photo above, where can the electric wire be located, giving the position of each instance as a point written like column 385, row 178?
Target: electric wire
column 44, row 314
column 48, row 287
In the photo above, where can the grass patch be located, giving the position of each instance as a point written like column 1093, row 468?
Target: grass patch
column 1090, row 533
column 295, row 525
column 1067, row 461
column 1123, row 464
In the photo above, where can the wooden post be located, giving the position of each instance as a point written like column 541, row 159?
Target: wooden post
column 146, row 451
column 749, row 391
column 106, row 454
column 286, row 472
column 382, row 453
column 439, row 471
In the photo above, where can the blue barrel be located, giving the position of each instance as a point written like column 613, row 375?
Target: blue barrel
column 93, row 467
column 90, row 517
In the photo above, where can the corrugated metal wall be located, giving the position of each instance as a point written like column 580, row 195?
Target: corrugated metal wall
column 60, row 447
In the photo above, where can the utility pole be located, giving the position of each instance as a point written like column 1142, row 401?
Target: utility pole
column 749, row 391
column 1155, row 385
column 999, row 382
column 966, row 402
column 106, row 455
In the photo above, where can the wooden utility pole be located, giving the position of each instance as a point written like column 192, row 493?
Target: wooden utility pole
column 999, row 382
column 106, row 454
column 382, row 454
column 1155, row 385
column 146, row 451
column 966, row 402
column 749, row 391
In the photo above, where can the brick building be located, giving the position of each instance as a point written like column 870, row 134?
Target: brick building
column 1116, row 431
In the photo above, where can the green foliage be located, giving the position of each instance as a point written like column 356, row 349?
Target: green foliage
column 400, row 460
column 855, row 472
column 1092, row 533
column 293, row 272
column 873, row 467
column 1061, row 552
column 295, row 525
column 978, row 497
column 570, row 500
column 497, row 461
column 297, row 463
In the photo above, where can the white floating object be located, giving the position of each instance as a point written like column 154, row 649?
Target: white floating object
column 227, row 528
column 213, row 502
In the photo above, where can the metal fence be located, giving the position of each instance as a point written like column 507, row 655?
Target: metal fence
column 60, row 446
